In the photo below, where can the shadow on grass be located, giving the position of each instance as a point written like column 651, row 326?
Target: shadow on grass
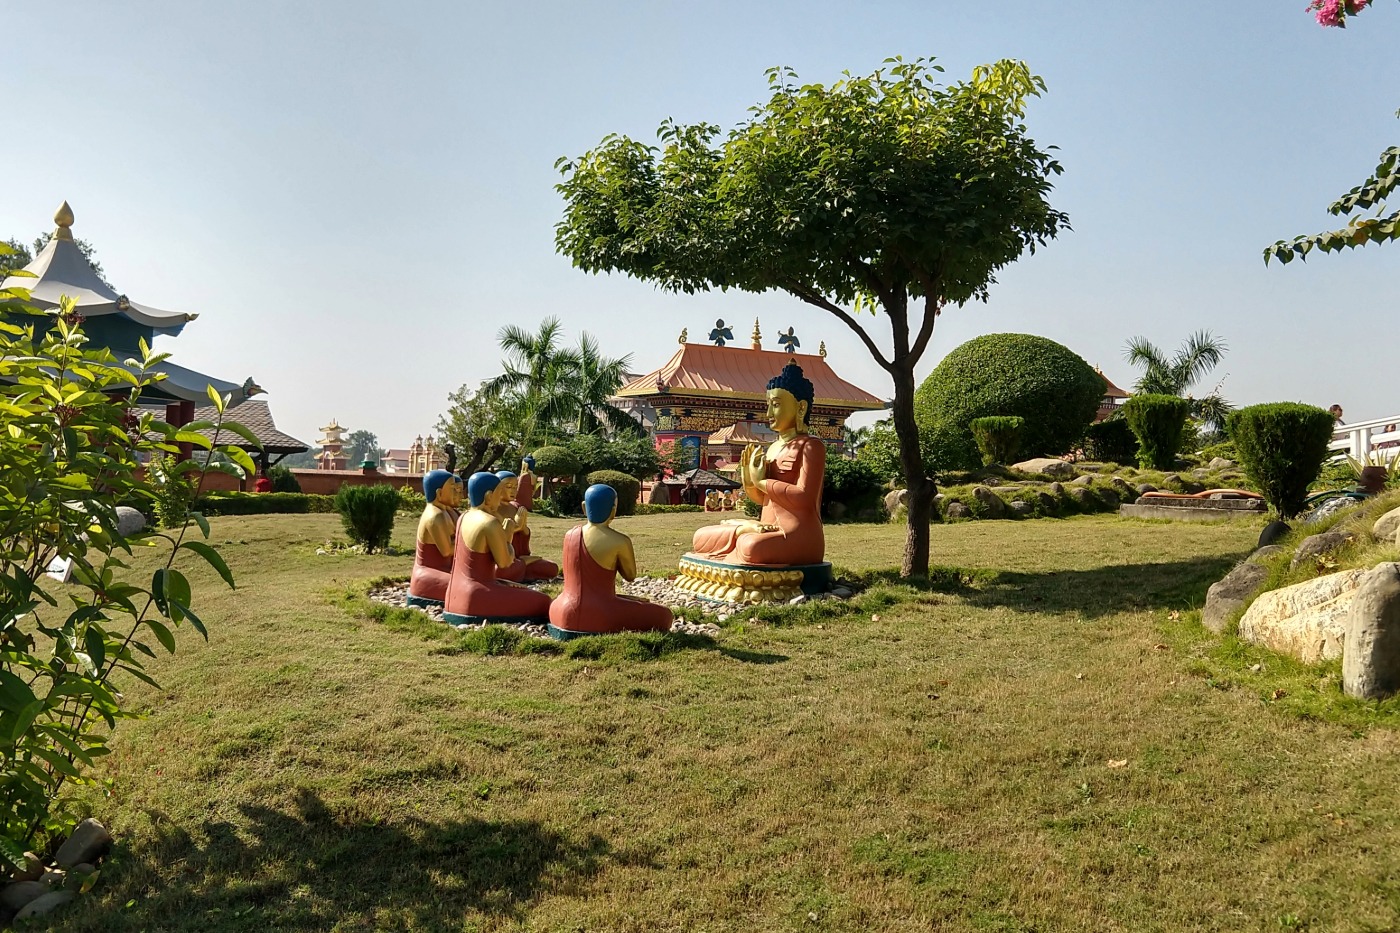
column 313, row 868
column 505, row 640
column 1103, row 591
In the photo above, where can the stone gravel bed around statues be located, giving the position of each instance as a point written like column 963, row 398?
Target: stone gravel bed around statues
column 655, row 589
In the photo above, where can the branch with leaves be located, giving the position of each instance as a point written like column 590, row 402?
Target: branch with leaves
column 1379, row 228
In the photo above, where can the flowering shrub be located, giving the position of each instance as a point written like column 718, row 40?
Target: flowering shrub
column 1335, row 12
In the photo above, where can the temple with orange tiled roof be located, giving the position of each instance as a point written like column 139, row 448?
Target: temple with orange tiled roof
column 710, row 399
column 1112, row 398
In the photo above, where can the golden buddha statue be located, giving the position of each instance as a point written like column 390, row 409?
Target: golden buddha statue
column 595, row 554
column 432, row 554
column 527, row 566
column 785, row 479
column 482, row 548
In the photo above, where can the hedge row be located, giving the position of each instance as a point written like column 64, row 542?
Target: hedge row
column 263, row 503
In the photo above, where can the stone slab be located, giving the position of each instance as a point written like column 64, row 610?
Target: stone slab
column 1187, row 509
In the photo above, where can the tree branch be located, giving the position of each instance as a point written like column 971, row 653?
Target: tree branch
column 815, row 298
column 932, row 307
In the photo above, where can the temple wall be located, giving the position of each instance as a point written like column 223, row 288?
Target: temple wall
column 328, row 482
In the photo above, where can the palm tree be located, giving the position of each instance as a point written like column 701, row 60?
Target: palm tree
column 595, row 380
column 534, row 384
column 1161, row 376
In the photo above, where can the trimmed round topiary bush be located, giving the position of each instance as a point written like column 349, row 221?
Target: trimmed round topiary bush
column 1158, row 422
column 1031, row 377
column 1282, row 446
column 553, row 462
column 628, row 488
column 998, row 437
column 1111, row 441
column 367, row 512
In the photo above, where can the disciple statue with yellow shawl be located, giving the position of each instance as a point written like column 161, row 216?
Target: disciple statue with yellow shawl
column 432, row 554
column 782, row 553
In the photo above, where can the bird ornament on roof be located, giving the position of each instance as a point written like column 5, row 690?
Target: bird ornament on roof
column 789, row 340
column 721, row 333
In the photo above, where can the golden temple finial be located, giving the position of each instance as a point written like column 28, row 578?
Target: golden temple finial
column 64, row 218
column 685, row 334
column 821, row 349
column 757, row 336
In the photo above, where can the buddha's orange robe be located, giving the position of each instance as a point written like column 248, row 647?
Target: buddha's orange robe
column 794, row 505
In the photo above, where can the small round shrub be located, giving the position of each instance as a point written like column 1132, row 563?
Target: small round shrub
column 1158, row 422
column 1031, row 377
column 628, row 488
column 552, row 462
column 853, row 484
column 998, row 437
column 1282, row 447
column 1111, row 441
column 283, row 480
column 367, row 512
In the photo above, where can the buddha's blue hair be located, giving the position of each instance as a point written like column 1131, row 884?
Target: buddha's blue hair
column 800, row 386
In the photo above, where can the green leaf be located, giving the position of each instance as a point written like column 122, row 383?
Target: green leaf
column 25, row 720
column 194, row 619
column 167, row 639
column 242, row 432
column 215, row 559
column 193, row 437
column 13, row 852
column 240, row 456
column 202, row 522
column 96, row 645
column 15, row 694
column 216, row 398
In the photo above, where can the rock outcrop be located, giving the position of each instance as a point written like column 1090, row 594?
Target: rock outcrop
column 1306, row 620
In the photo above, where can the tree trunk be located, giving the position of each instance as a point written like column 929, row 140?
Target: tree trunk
column 921, row 488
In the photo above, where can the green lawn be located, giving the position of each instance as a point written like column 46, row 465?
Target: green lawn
column 953, row 765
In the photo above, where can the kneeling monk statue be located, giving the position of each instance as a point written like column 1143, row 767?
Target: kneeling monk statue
column 595, row 553
column 527, row 566
column 786, row 480
column 432, row 554
column 483, row 547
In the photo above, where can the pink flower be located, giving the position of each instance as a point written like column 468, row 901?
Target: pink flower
column 1335, row 12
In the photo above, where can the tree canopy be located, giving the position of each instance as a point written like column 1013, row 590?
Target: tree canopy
column 855, row 197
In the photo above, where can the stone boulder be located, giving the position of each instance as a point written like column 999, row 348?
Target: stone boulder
column 1048, row 503
column 1220, row 463
column 1056, row 489
column 896, row 499
column 1329, row 508
column 1371, row 657
column 1273, row 532
column 1085, row 497
column 1230, row 592
column 1109, row 497
column 996, row 508
column 1022, row 509
column 1144, row 488
column 45, row 904
column 1081, row 480
column 1306, row 620
column 88, row 841
column 129, row 521
column 956, row 509
column 1264, row 553
column 1387, row 527
column 1123, row 486
column 1315, row 546
column 1045, row 465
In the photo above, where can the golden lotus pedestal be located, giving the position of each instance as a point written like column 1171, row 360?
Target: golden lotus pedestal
column 746, row 585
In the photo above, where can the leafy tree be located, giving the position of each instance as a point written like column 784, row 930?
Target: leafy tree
column 361, row 446
column 1175, row 376
column 881, row 450
column 1377, row 228
column 15, row 256
column 535, row 383
column 889, row 194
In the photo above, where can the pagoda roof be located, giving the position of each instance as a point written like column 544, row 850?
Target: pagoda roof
column 61, row 269
column 699, row 369
column 743, row 432
column 702, row 478
column 184, row 384
column 256, row 416
column 1111, row 390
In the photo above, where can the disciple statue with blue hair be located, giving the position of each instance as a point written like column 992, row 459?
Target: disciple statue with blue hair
column 432, row 553
column 474, row 594
column 786, row 480
column 595, row 554
column 528, row 567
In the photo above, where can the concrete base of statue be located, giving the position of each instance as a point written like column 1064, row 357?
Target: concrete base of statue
column 743, row 585
column 423, row 602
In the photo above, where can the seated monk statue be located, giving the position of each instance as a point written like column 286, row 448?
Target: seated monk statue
column 786, row 480
column 482, row 548
column 527, row 566
column 594, row 554
column 432, row 555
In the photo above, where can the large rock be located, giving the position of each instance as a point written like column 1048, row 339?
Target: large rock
column 19, row 893
column 996, row 508
column 1264, row 553
column 1048, row 503
column 1229, row 593
column 1022, row 509
column 1046, row 465
column 1220, row 463
column 895, row 500
column 45, row 904
column 1056, row 489
column 1085, row 497
column 88, row 841
column 956, row 509
column 1123, row 486
column 1315, row 546
column 1273, row 532
column 1387, row 527
column 1109, row 497
column 1144, row 488
column 1329, row 508
column 1306, row 620
column 1371, row 657
column 129, row 521
column 1084, row 480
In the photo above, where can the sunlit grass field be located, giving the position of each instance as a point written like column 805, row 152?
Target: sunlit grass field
column 1057, row 746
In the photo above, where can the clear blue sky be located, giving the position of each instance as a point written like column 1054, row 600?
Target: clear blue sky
column 355, row 196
